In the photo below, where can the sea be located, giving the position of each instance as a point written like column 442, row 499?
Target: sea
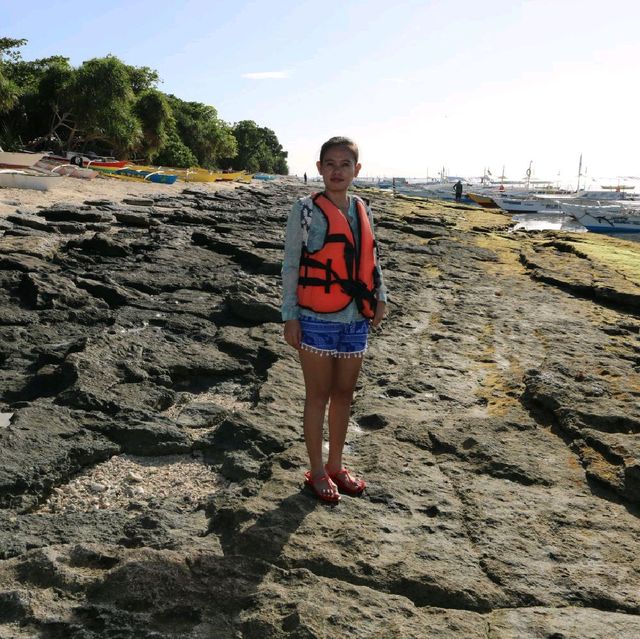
column 542, row 222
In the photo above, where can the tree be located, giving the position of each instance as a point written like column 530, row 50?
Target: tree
column 9, row 89
column 198, row 126
column 258, row 149
column 175, row 152
column 44, row 112
column 153, row 110
column 107, row 106
column 103, row 100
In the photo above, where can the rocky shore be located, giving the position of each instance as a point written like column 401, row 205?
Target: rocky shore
column 152, row 454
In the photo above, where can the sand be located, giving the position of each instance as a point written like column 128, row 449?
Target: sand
column 76, row 191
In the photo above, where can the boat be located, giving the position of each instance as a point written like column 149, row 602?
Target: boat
column 617, row 187
column 27, row 179
column 100, row 164
column 158, row 177
column 264, row 176
column 527, row 204
column 196, row 174
column 484, row 200
column 92, row 160
column 605, row 218
column 203, row 175
column 52, row 166
column 19, row 160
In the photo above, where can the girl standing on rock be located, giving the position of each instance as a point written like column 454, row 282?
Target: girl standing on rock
column 332, row 292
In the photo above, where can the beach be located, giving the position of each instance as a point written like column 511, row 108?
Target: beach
column 76, row 191
column 150, row 422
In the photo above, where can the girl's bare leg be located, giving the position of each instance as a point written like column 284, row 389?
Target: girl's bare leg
column 345, row 376
column 318, row 372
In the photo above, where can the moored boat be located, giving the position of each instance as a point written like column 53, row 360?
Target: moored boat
column 527, row 204
column 53, row 166
column 27, row 179
column 485, row 201
column 19, row 160
column 605, row 218
column 92, row 160
column 197, row 174
column 99, row 164
column 158, row 177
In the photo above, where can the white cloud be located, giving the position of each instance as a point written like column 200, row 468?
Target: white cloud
column 266, row 75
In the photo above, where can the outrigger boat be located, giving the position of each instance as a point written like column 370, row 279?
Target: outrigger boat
column 197, row 174
column 158, row 177
column 485, row 201
column 19, row 160
column 53, row 166
column 27, row 179
column 605, row 218
column 527, row 204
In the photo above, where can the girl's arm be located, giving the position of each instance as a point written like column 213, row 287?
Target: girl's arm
column 291, row 265
column 381, row 291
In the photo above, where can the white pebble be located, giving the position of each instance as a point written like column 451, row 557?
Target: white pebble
column 95, row 487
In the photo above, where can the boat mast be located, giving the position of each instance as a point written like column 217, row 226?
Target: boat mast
column 579, row 173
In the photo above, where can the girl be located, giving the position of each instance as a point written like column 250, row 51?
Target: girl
column 332, row 291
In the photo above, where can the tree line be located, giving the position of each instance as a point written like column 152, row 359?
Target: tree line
column 113, row 108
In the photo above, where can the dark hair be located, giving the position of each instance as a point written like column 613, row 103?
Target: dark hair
column 340, row 140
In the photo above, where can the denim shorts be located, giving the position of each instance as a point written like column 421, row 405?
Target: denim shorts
column 334, row 339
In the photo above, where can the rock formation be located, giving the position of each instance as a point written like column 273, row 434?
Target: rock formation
column 152, row 454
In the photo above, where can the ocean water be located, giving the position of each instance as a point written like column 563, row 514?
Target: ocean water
column 542, row 222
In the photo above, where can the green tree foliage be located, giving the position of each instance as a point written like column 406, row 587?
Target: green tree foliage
column 258, row 149
column 103, row 101
column 198, row 126
column 175, row 153
column 142, row 78
column 44, row 108
column 107, row 106
column 9, row 90
column 153, row 110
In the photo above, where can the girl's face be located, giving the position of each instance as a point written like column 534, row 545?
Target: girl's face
column 338, row 168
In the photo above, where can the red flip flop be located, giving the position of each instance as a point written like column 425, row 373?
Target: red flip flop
column 324, row 494
column 348, row 484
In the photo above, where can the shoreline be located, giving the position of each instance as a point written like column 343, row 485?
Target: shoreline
column 76, row 191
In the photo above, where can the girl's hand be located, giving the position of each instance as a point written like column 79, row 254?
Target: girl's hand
column 381, row 309
column 292, row 333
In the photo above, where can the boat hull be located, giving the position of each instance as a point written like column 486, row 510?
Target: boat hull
column 527, row 205
column 17, row 179
column 19, row 160
column 141, row 176
column 484, row 201
column 605, row 218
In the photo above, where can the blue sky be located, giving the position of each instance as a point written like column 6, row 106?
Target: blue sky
column 419, row 84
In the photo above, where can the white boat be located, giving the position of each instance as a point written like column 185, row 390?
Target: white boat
column 19, row 160
column 605, row 218
column 67, row 169
column 527, row 204
column 608, row 195
column 21, row 179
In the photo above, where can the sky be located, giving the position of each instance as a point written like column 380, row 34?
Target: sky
column 420, row 85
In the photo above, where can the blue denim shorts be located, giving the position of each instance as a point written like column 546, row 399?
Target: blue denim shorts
column 334, row 339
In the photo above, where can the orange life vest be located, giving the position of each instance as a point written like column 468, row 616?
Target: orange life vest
column 341, row 270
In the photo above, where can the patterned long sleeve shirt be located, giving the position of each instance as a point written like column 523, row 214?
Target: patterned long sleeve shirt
column 311, row 234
